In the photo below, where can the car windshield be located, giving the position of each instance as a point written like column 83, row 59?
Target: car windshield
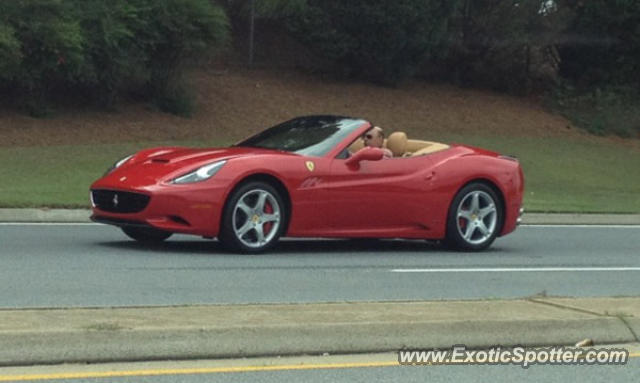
column 311, row 136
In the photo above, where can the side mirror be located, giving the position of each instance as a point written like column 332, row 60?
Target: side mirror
column 365, row 154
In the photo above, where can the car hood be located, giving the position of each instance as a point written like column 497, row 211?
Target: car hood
column 150, row 166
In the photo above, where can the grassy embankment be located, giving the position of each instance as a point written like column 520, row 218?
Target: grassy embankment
column 52, row 162
column 562, row 175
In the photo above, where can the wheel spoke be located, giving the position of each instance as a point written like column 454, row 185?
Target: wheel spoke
column 244, row 229
column 469, row 232
column 260, row 233
column 464, row 214
column 486, row 211
column 475, row 202
column 483, row 228
column 244, row 207
column 271, row 217
column 262, row 198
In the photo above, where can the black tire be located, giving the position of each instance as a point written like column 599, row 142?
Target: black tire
column 474, row 226
column 146, row 234
column 235, row 218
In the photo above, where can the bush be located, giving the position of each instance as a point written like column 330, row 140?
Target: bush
column 101, row 49
column 117, row 61
column 45, row 44
column 176, row 100
column 175, row 31
column 601, row 111
column 380, row 40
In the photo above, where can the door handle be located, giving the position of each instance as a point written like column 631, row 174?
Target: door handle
column 430, row 176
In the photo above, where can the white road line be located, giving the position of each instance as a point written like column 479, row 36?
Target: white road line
column 517, row 270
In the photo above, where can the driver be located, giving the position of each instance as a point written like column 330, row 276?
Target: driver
column 374, row 137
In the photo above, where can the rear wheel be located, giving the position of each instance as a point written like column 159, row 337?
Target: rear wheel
column 146, row 234
column 253, row 218
column 475, row 218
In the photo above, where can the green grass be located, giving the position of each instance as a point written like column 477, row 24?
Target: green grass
column 58, row 176
column 612, row 110
column 572, row 175
column 562, row 175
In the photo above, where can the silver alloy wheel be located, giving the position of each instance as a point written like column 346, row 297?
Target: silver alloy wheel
column 477, row 217
column 251, row 215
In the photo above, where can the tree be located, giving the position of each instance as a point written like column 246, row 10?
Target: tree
column 249, row 11
column 52, row 50
column 380, row 40
column 602, row 44
column 503, row 45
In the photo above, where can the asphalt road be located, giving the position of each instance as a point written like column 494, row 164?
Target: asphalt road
column 94, row 265
column 339, row 368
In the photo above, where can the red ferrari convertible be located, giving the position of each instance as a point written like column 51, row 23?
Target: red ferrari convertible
column 313, row 177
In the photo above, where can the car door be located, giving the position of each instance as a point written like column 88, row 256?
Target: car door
column 377, row 198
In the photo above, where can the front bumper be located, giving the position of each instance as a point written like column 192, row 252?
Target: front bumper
column 118, row 222
column 188, row 209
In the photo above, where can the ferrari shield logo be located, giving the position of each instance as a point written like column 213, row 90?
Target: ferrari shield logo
column 311, row 166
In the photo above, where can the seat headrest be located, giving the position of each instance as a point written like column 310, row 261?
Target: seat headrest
column 397, row 143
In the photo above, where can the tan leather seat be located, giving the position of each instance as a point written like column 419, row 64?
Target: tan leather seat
column 397, row 143
column 430, row 148
column 356, row 145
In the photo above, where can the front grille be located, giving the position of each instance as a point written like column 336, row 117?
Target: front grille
column 118, row 201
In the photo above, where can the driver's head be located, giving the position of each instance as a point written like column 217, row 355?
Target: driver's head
column 374, row 137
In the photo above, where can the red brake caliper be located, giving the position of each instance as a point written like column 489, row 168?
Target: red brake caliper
column 268, row 209
column 462, row 223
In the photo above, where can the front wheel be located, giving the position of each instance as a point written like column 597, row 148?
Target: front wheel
column 253, row 218
column 475, row 218
column 146, row 234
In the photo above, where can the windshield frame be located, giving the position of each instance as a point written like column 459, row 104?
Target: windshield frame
column 352, row 128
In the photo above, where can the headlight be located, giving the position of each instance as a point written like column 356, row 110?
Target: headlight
column 118, row 164
column 201, row 174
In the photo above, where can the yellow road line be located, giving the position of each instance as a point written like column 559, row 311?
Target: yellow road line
column 189, row 371
column 197, row 371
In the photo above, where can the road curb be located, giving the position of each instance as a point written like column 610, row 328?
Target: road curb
column 82, row 216
column 580, row 219
column 45, row 215
column 225, row 331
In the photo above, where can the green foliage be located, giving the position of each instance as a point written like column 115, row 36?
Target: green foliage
column 101, row 49
column 175, row 31
column 602, row 44
column 47, row 48
column 504, row 45
column 599, row 62
column 266, row 9
column 176, row 100
column 114, row 53
column 600, row 111
column 380, row 40
column 10, row 52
